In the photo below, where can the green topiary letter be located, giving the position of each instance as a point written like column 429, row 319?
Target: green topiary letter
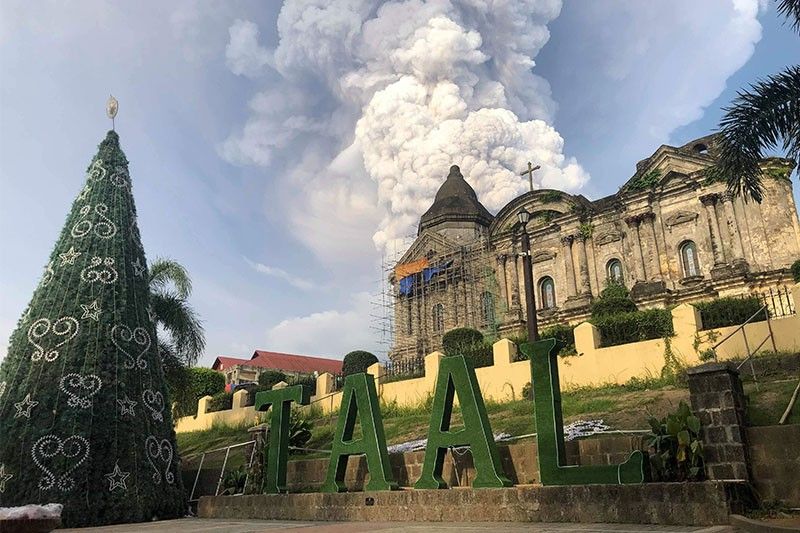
column 278, row 447
column 456, row 375
column 550, row 429
column 359, row 399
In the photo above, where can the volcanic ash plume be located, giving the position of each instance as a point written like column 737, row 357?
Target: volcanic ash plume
column 412, row 87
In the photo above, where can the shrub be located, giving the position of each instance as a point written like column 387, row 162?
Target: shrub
column 357, row 361
column 469, row 343
column 252, row 389
column 458, row 339
column 234, row 481
column 676, row 447
column 479, row 355
column 564, row 334
column 613, row 300
column 299, row 430
column 637, row 326
column 796, row 270
column 729, row 311
column 309, row 384
column 199, row 382
column 220, row 402
column 527, row 391
column 271, row 377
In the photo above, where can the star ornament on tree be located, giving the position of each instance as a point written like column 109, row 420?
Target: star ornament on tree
column 117, row 478
column 138, row 268
column 69, row 257
column 91, row 310
column 24, row 407
column 4, row 477
column 126, row 406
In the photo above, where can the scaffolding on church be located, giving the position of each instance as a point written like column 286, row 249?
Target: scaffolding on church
column 421, row 300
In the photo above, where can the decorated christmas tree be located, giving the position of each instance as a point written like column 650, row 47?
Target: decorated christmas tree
column 84, row 417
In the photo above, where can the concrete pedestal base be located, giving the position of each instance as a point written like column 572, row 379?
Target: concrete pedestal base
column 706, row 503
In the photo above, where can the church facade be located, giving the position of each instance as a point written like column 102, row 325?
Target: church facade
column 668, row 234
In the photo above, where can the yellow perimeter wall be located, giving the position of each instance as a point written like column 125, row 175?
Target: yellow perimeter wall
column 592, row 366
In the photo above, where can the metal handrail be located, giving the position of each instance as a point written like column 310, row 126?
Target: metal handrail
column 750, row 353
column 741, row 326
column 224, row 463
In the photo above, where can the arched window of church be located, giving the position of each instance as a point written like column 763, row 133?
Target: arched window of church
column 547, row 293
column 691, row 265
column 614, row 271
column 487, row 308
column 438, row 318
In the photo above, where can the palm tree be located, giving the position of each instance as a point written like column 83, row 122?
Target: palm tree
column 181, row 338
column 763, row 117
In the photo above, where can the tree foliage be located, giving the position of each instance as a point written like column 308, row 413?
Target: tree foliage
column 170, row 288
column 271, row 377
column 614, row 299
column 765, row 116
column 198, row 382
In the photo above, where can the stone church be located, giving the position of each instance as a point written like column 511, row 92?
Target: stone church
column 668, row 234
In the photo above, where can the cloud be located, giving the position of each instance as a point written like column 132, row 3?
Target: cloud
column 291, row 279
column 331, row 333
column 638, row 73
column 375, row 101
column 243, row 55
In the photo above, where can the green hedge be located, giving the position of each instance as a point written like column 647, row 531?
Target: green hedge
column 564, row 334
column 309, row 384
column 729, row 311
column 271, row 377
column 220, row 402
column 199, row 382
column 624, row 328
column 796, row 270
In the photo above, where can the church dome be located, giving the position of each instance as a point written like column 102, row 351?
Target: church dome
column 455, row 201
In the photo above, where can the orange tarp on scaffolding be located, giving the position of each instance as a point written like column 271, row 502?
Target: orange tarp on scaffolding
column 406, row 269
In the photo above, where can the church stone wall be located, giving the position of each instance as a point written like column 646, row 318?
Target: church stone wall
column 740, row 248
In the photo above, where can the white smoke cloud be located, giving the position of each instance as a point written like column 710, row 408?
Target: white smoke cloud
column 405, row 89
column 243, row 55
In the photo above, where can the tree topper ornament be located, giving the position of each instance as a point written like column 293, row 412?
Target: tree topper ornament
column 112, row 106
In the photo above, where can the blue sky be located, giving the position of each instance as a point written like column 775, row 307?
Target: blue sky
column 279, row 151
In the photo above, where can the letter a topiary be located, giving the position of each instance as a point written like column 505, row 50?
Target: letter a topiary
column 553, row 467
column 456, row 375
column 359, row 400
column 278, row 447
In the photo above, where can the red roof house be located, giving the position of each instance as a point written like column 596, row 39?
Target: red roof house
column 240, row 370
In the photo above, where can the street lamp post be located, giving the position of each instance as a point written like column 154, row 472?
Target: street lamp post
column 527, row 267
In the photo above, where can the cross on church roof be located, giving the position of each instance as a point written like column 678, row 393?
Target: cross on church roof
column 529, row 172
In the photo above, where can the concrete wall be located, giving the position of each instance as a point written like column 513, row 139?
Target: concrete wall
column 594, row 365
column 238, row 415
column 775, row 462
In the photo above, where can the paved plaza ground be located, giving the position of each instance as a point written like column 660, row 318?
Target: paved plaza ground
column 192, row 525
